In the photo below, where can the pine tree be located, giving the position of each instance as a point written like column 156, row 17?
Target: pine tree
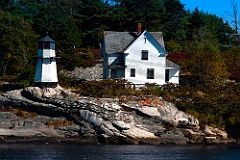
column 147, row 12
column 174, row 21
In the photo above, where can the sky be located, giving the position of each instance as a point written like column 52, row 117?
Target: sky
column 222, row 8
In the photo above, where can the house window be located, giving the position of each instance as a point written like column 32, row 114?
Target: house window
column 167, row 75
column 132, row 72
column 144, row 54
column 150, row 73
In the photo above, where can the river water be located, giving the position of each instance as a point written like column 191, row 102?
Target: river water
column 117, row 152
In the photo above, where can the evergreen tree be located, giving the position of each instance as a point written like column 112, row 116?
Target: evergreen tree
column 174, row 21
column 147, row 12
column 220, row 29
column 51, row 19
column 118, row 20
column 6, row 4
column 92, row 17
column 195, row 23
column 26, row 9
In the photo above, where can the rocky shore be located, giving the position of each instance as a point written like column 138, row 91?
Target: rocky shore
column 56, row 114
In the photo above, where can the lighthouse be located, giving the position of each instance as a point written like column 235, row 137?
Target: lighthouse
column 46, row 67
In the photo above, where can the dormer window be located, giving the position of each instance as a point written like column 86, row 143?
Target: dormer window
column 144, row 54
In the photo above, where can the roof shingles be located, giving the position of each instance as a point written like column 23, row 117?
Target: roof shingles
column 117, row 42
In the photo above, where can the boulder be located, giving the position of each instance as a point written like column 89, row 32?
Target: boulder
column 213, row 132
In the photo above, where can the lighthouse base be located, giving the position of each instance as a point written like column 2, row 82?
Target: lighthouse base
column 46, row 84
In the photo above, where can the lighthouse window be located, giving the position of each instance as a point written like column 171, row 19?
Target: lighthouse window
column 44, row 45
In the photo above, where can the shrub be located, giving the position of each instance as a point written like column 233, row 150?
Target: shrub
column 172, row 46
column 59, row 123
column 116, row 88
column 24, row 114
column 103, row 88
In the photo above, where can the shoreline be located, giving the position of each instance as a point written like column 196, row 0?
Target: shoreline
column 44, row 140
column 94, row 141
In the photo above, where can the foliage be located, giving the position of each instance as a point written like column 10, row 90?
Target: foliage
column 78, row 58
column 57, row 124
column 233, row 51
column 16, row 44
column 216, row 106
column 172, row 46
column 89, row 54
column 195, row 23
column 174, row 20
column 24, row 114
column 130, row 12
column 71, row 56
column 207, row 66
column 116, row 88
column 104, row 88
column 66, row 81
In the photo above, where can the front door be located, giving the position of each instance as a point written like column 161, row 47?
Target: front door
column 167, row 75
column 113, row 73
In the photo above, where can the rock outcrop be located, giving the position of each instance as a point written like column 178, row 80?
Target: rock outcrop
column 89, row 73
column 105, row 120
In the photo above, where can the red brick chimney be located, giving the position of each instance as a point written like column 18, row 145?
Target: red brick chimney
column 139, row 29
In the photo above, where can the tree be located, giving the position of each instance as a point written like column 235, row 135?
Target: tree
column 235, row 14
column 118, row 21
column 174, row 21
column 219, row 29
column 17, row 44
column 236, row 22
column 195, row 23
column 6, row 4
column 147, row 12
column 93, row 17
column 207, row 66
column 26, row 9
column 50, row 18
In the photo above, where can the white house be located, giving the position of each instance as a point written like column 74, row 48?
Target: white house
column 46, row 67
column 138, row 57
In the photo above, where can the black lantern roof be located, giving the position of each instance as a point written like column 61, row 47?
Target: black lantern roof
column 46, row 39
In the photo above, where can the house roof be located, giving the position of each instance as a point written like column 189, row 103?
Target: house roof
column 158, row 37
column 118, row 41
column 170, row 65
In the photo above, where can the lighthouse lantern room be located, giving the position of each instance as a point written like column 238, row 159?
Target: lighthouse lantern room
column 46, row 67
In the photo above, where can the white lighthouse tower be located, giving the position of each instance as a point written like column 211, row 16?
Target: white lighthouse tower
column 46, row 68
